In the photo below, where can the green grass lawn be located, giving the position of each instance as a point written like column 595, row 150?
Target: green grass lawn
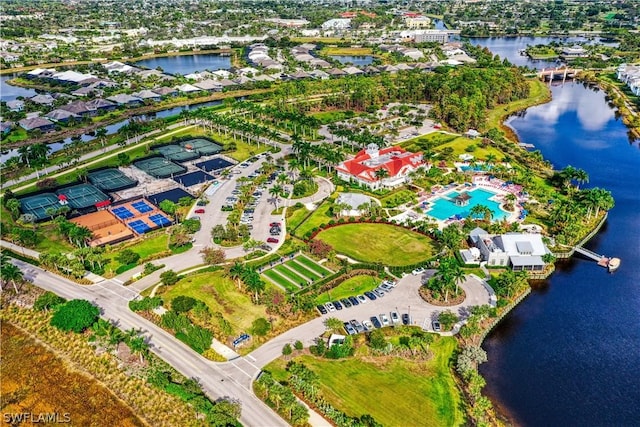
column 312, row 265
column 279, row 280
column 220, row 294
column 348, row 51
column 396, row 393
column 295, row 217
column 299, row 268
column 294, row 277
column 383, row 243
column 149, row 245
column 351, row 287
column 538, row 93
column 319, row 216
column 326, row 117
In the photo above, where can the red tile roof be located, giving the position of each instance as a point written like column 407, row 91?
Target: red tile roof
column 393, row 165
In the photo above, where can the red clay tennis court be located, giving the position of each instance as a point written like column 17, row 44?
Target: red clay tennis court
column 106, row 228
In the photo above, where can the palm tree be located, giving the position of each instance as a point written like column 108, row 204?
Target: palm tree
column 581, row 177
column 276, row 191
column 11, row 274
column 101, row 133
column 138, row 345
column 235, row 272
column 381, row 173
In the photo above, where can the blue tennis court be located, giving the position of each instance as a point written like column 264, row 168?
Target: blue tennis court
column 142, row 207
column 160, row 220
column 122, row 213
column 139, row 226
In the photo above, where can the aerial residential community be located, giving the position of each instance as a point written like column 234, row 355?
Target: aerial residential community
column 369, row 213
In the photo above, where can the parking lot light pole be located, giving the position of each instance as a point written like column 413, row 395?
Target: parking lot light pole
column 410, row 322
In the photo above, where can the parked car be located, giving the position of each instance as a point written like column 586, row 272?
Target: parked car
column 384, row 319
column 417, row 271
column 368, row 326
column 405, row 319
column 357, row 325
column 371, row 295
column 354, row 300
column 386, row 287
column 272, row 240
column 330, row 307
column 201, row 203
column 275, row 224
column 391, row 283
column 346, row 302
column 274, row 231
column 199, row 211
column 395, row 317
column 322, row 309
column 337, row 305
column 436, row 326
column 379, row 292
column 266, row 248
column 196, row 217
column 349, row 328
column 362, row 299
column 376, row 322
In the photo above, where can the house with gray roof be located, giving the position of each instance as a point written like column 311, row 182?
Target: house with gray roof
column 101, row 105
column 125, row 100
column 352, row 203
column 39, row 123
column 147, row 94
column 42, row 99
column 79, row 108
column 209, row 85
column 165, row 91
column 15, row 105
column 62, row 116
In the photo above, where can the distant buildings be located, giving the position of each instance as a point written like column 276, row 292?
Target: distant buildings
column 572, row 52
column 380, row 168
column 337, row 24
column 425, row 36
column 415, row 22
column 630, row 75
column 291, row 23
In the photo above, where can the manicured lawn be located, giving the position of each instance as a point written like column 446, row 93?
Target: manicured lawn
column 310, row 264
column 459, row 145
column 538, row 93
column 396, row 393
column 383, row 243
column 220, row 294
column 351, row 287
column 319, row 216
column 350, row 51
column 295, row 218
column 326, row 117
column 299, row 268
column 289, row 274
column 279, row 280
column 149, row 245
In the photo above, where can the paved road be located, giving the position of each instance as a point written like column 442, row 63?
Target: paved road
column 232, row 379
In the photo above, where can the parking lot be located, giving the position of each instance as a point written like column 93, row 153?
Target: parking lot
column 405, row 301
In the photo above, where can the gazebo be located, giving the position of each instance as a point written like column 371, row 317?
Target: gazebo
column 462, row 199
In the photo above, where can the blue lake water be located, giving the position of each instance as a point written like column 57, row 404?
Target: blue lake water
column 358, row 61
column 186, row 64
column 568, row 355
column 11, row 93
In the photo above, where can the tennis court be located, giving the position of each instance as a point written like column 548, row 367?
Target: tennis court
column 141, row 207
column 201, row 145
column 174, row 195
column 105, row 228
column 159, row 167
column 111, row 180
column 122, row 213
column 139, row 226
column 193, row 178
column 82, row 196
column 177, row 153
column 37, row 205
column 160, row 220
column 214, row 164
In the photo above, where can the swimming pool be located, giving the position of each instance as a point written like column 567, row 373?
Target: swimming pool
column 444, row 207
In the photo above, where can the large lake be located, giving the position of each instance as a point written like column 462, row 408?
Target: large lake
column 568, row 355
column 187, row 64
column 10, row 93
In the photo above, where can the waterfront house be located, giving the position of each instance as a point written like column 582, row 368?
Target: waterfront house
column 5, row 127
column 209, row 85
column 79, row 108
column 100, row 105
column 46, row 100
column 123, row 99
column 147, row 95
column 15, row 105
column 165, row 91
column 37, row 123
column 187, row 88
column 520, row 251
column 61, row 116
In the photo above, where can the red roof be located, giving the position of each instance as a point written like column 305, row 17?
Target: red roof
column 412, row 14
column 62, row 197
column 393, row 165
column 103, row 203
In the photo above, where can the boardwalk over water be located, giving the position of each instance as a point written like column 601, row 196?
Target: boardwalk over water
column 561, row 73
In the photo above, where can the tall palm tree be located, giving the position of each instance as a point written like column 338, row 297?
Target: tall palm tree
column 11, row 274
column 235, row 272
column 275, row 192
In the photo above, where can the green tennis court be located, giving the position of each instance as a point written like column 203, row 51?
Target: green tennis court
column 177, row 153
column 111, row 180
column 159, row 167
column 37, row 205
column 82, row 196
column 203, row 146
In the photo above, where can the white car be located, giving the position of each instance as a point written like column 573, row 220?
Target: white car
column 368, row 325
column 417, row 271
column 395, row 317
column 330, row 307
column 362, row 299
column 384, row 319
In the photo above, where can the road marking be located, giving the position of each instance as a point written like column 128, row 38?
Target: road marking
column 252, row 358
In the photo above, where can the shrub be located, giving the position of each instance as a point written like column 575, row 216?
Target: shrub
column 320, row 248
column 287, row 350
column 182, row 304
column 47, row 301
column 75, row 315
column 191, row 225
column 260, row 327
column 169, row 278
column 298, row 345
column 128, row 256
column 146, row 303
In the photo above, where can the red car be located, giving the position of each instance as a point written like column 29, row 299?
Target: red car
column 199, row 211
column 275, row 224
column 272, row 240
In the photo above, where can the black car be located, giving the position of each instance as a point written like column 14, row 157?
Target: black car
column 370, row 295
column 354, row 300
column 322, row 309
column 274, row 231
column 345, row 302
column 405, row 319
column 337, row 305
column 376, row 322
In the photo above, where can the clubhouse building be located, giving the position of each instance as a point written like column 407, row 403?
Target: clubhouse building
column 377, row 168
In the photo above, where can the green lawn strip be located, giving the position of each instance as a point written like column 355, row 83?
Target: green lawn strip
column 319, row 216
column 382, row 243
column 351, row 287
column 296, row 217
column 279, row 280
column 291, row 275
column 414, row 393
column 221, row 294
column 149, row 245
column 303, row 270
column 313, row 265
column 538, row 93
